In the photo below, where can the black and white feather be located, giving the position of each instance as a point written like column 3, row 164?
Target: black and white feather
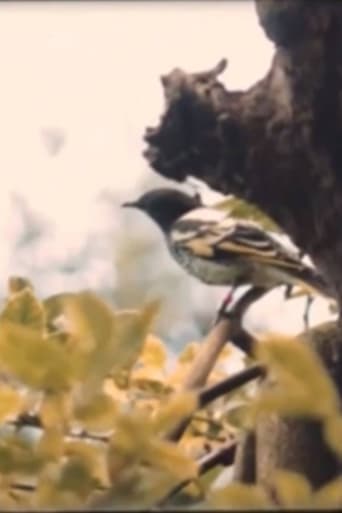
column 221, row 250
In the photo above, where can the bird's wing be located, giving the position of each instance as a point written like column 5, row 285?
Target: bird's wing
column 217, row 237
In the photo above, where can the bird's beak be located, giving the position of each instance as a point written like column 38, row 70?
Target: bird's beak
column 130, row 204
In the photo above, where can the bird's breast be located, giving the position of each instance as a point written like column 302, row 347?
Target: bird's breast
column 207, row 271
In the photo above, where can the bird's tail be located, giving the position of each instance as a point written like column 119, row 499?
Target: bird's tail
column 313, row 283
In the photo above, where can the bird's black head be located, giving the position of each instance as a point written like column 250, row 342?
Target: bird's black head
column 165, row 206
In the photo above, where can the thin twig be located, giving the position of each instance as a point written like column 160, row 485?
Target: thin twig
column 222, row 456
column 210, row 393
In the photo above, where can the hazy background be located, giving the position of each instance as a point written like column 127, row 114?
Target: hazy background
column 79, row 84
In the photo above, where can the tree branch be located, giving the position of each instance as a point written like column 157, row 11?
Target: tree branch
column 276, row 144
column 222, row 456
column 230, row 384
column 228, row 328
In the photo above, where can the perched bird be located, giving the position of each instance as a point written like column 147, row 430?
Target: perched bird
column 221, row 250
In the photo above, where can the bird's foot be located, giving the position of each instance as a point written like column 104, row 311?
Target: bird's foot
column 288, row 291
column 309, row 302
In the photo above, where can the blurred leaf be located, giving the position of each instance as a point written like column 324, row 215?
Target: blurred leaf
column 56, row 410
column 170, row 458
column 207, row 479
column 114, row 339
column 77, row 478
column 237, row 415
column 17, row 455
column 11, row 401
column 333, row 433
column 17, row 284
column 240, row 496
column 32, row 359
column 51, row 444
column 292, row 489
column 131, row 329
column 177, row 408
column 129, row 439
column 303, row 385
column 97, row 414
column 189, row 352
column 56, row 305
column 22, row 307
column 329, row 495
column 149, row 378
column 92, row 456
column 91, row 318
column 241, row 209
column 153, row 352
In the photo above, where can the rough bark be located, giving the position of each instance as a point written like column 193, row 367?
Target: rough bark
column 298, row 444
column 278, row 145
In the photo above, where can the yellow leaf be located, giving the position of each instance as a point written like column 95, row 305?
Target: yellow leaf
column 97, row 414
column 149, row 378
column 51, row 444
column 91, row 319
column 49, row 495
column 131, row 329
column 129, row 438
column 329, row 495
column 110, row 388
column 177, row 408
column 240, row 496
column 27, row 355
column 170, row 458
column 24, row 308
column 117, row 337
column 17, row 455
column 11, row 401
column 153, row 352
column 283, row 403
column 333, row 433
column 56, row 306
column 56, row 410
column 299, row 371
column 189, row 352
column 76, row 477
column 292, row 489
column 18, row 283
column 92, row 456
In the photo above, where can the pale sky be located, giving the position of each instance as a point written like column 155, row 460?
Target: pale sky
column 91, row 71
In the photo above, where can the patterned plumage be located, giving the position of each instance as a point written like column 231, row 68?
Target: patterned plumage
column 221, row 250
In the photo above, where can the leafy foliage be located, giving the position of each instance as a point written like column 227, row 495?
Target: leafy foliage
column 88, row 396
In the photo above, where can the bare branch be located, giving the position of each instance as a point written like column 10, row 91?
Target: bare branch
column 222, row 456
column 227, row 385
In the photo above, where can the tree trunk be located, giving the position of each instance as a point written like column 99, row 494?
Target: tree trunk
column 278, row 145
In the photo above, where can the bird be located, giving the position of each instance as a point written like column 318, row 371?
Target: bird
column 222, row 250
